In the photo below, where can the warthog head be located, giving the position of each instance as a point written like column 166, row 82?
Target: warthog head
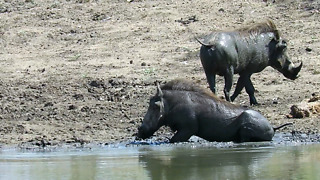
column 153, row 119
column 280, row 61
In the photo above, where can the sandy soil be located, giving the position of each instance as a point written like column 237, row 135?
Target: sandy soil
column 82, row 71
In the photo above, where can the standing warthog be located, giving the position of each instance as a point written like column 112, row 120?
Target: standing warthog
column 191, row 110
column 244, row 51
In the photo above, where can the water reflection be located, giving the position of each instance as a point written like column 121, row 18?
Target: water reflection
column 293, row 163
column 207, row 163
column 49, row 167
column 254, row 163
column 77, row 165
column 165, row 162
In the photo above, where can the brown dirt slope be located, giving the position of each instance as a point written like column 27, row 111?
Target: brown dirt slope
column 83, row 70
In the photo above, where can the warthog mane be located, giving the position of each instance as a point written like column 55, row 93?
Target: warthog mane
column 259, row 28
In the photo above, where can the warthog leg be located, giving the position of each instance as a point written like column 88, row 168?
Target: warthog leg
column 211, row 78
column 250, row 90
column 245, row 81
column 239, row 87
column 228, row 78
column 181, row 136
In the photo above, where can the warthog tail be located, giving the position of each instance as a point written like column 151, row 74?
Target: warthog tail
column 202, row 43
column 283, row 125
column 194, row 36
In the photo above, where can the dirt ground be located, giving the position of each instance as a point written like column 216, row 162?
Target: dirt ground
column 82, row 71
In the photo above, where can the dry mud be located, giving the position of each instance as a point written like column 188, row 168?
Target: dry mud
column 82, row 71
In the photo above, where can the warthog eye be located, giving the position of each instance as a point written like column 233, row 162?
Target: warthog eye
column 282, row 45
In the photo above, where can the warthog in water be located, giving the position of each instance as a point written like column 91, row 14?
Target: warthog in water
column 244, row 51
column 190, row 110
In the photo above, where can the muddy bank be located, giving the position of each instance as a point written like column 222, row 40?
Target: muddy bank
column 279, row 140
column 81, row 72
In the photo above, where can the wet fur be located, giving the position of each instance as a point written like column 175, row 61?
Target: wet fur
column 185, row 85
column 244, row 51
column 190, row 110
column 250, row 32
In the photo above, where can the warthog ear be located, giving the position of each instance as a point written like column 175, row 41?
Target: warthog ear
column 161, row 106
column 159, row 91
column 160, row 102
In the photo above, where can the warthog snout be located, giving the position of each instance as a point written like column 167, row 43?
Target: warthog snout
column 292, row 72
column 144, row 132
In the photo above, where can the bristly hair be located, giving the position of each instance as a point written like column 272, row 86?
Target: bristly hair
column 185, row 85
column 248, row 32
column 258, row 28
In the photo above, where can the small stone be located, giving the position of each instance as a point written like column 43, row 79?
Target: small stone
column 308, row 49
column 221, row 10
column 275, row 101
column 71, row 107
column 95, row 83
column 48, row 104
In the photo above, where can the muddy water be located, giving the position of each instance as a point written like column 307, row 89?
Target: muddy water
column 185, row 161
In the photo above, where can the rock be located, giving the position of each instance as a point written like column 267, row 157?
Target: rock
column 308, row 49
column 306, row 108
column 315, row 97
column 96, row 84
column 298, row 112
column 48, row 104
column 71, row 107
column 221, row 10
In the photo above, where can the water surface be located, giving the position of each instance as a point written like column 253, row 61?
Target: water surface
column 186, row 161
